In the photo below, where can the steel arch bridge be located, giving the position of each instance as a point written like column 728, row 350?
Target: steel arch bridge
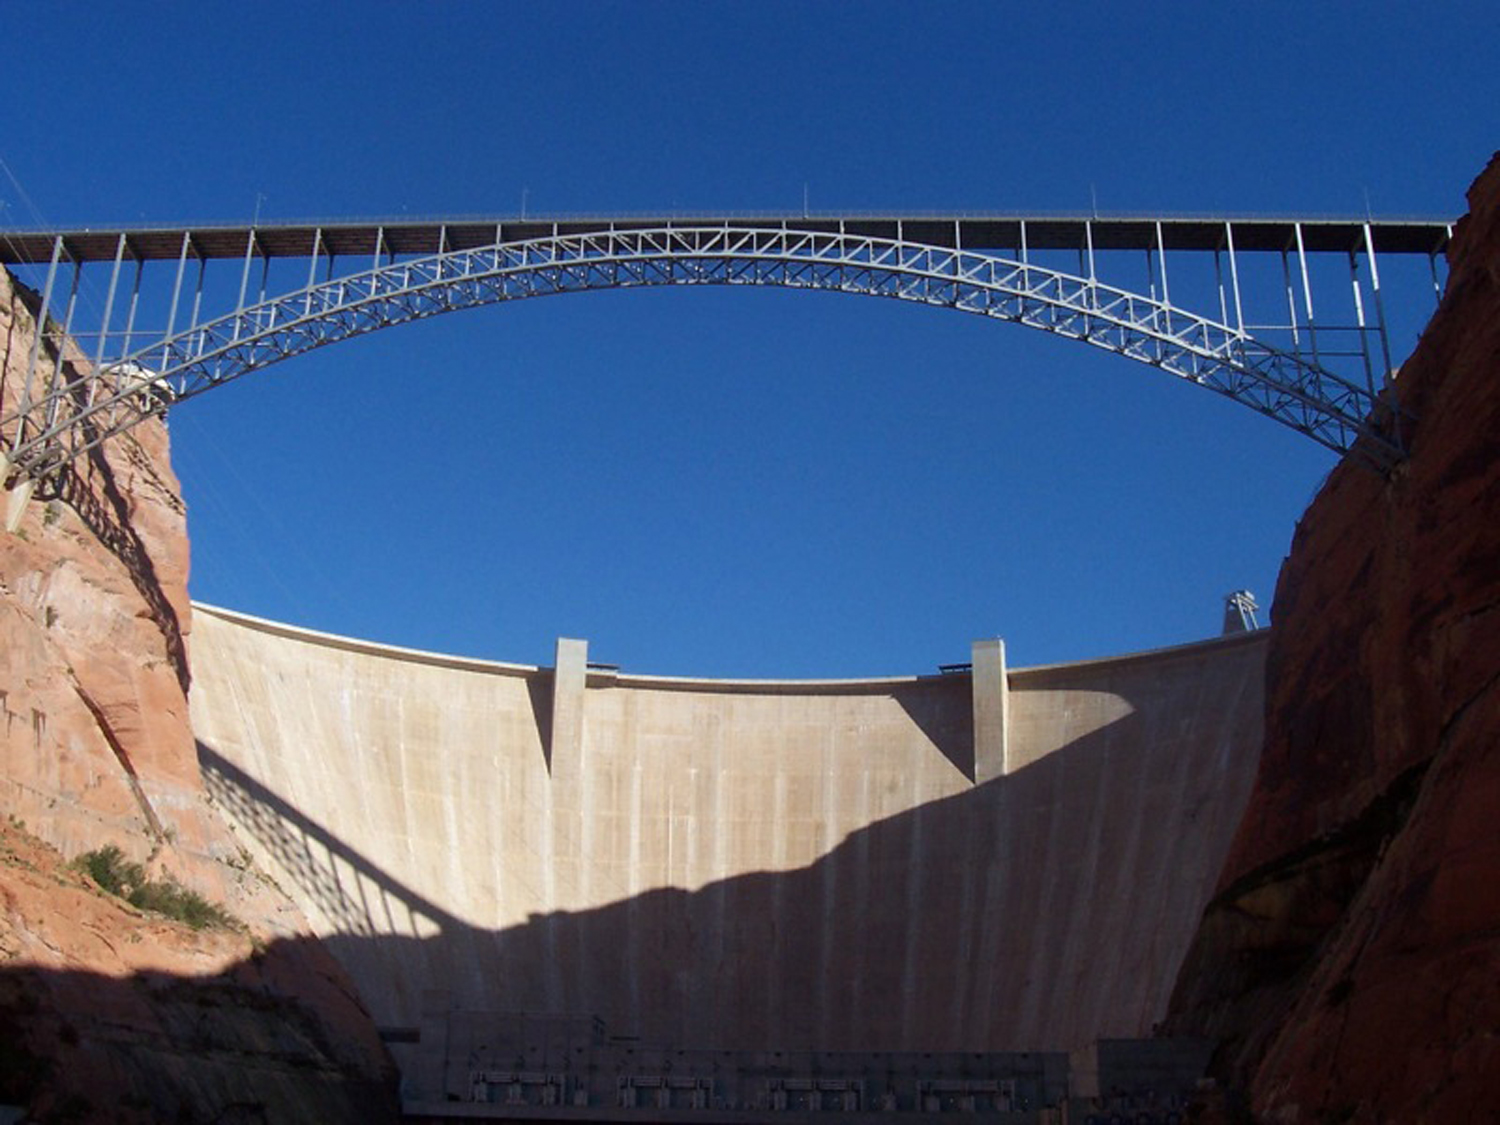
column 1325, row 380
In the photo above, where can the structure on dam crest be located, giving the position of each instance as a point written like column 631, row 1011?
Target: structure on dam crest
column 979, row 860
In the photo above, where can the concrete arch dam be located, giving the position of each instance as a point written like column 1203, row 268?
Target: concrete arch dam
column 980, row 860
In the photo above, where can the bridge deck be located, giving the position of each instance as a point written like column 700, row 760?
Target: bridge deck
column 968, row 231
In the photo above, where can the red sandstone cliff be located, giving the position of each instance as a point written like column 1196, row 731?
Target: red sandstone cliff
column 1351, row 958
column 95, row 749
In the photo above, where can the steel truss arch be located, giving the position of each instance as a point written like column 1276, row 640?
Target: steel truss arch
column 71, row 419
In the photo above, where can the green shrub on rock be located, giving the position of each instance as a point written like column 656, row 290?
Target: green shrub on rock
column 108, row 867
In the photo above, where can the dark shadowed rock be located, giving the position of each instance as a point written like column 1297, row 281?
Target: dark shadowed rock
column 1351, row 958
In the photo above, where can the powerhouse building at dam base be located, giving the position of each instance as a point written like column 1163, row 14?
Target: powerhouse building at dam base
column 574, row 892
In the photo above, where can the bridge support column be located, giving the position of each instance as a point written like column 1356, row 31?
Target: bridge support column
column 569, row 678
column 991, row 694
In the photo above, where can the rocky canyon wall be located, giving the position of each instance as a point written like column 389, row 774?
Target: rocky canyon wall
column 96, row 749
column 1350, row 960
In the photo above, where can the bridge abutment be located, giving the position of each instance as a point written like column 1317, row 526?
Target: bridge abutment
column 16, row 497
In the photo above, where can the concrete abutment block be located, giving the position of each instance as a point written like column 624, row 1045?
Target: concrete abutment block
column 991, row 706
column 569, row 679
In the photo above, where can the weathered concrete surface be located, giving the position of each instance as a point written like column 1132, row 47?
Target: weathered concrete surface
column 743, row 865
column 1350, row 958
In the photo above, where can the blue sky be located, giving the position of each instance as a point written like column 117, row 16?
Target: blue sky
column 738, row 483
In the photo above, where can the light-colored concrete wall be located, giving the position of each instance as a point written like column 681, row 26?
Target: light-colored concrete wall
column 990, row 686
column 745, row 865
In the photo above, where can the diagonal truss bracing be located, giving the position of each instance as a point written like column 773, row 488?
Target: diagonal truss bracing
column 58, row 418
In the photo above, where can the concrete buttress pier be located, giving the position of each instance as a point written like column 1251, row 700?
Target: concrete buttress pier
column 991, row 702
column 569, row 679
column 752, row 865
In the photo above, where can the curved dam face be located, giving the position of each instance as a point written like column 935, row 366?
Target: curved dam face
column 976, row 861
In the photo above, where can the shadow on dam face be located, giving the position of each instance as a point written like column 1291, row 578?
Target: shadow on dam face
column 929, row 928
column 1037, row 911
